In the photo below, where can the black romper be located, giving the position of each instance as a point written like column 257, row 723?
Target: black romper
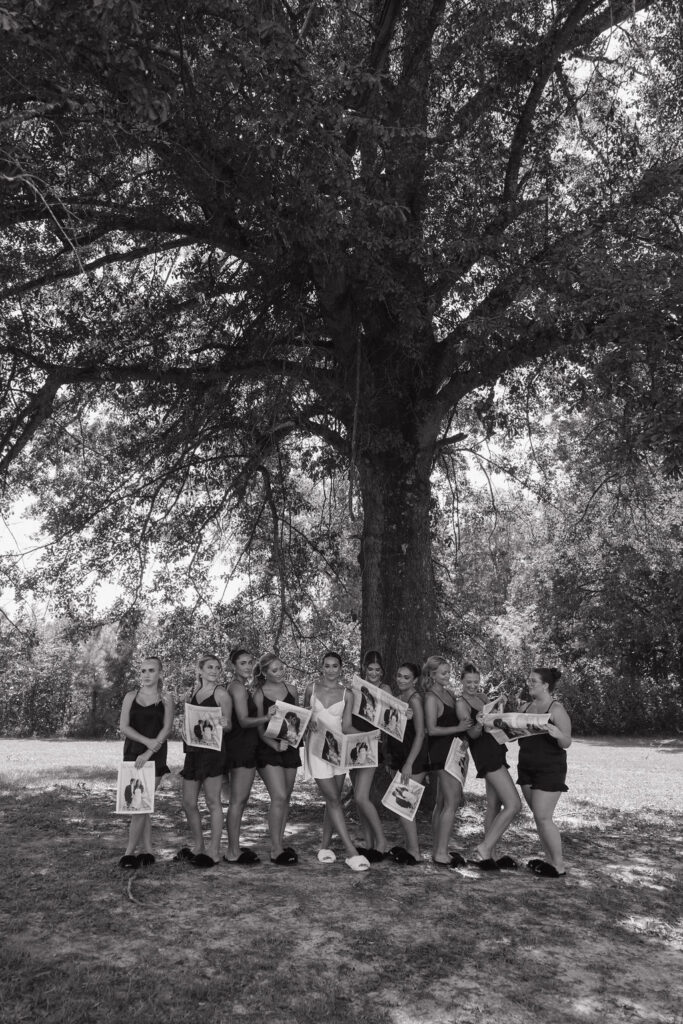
column 148, row 721
column 440, row 745
column 203, row 764
column 288, row 758
column 488, row 755
column 542, row 763
column 398, row 750
column 240, row 744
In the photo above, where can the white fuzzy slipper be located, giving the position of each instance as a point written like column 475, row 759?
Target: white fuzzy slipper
column 327, row 856
column 358, row 863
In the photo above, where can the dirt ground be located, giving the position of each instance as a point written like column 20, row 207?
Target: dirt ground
column 83, row 941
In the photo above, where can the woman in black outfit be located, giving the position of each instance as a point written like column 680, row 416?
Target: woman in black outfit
column 375, row 844
column 409, row 756
column 502, row 799
column 240, row 753
column 203, row 769
column 146, row 721
column 276, row 761
column 542, row 768
column 442, row 724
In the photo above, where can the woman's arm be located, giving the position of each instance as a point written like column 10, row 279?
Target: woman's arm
column 224, row 701
column 560, row 726
column 127, row 730
column 419, row 723
column 168, row 719
column 465, row 712
column 347, row 724
column 161, row 736
column 312, row 723
column 238, row 693
column 431, row 715
column 274, row 744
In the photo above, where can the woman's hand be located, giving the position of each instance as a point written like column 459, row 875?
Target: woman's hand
column 554, row 731
column 475, row 731
column 406, row 772
column 409, row 713
column 282, row 745
column 142, row 760
column 272, row 711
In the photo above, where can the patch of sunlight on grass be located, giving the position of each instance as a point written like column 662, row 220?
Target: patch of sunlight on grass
column 588, row 1007
column 653, row 927
column 638, row 876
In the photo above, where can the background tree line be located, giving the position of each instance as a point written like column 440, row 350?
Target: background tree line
column 545, row 548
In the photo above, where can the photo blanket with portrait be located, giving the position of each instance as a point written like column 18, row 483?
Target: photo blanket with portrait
column 514, row 725
column 288, row 723
column 135, row 788
column 203, row 727
column 403, row 798
column 379, row 708
column 352, row 750
column 458, row 760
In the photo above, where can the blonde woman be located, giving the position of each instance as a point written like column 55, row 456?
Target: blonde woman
column 276, row 761
column 203, row 769
column 442, row 723
column 146, row 721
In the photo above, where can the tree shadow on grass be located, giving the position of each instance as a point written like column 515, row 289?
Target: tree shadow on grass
column 395, row 946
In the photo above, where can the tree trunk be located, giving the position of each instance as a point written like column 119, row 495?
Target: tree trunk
column 395, row 557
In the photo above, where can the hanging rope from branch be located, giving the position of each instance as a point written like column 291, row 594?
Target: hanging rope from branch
column 354, row 430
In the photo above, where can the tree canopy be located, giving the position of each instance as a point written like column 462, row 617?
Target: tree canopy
column 242, row 236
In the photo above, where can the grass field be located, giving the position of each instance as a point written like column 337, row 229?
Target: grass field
column 266, row 945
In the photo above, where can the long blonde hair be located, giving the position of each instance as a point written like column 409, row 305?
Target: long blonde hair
column 430, row 665
column 261, row 666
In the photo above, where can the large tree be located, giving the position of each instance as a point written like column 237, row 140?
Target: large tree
column 251, row 223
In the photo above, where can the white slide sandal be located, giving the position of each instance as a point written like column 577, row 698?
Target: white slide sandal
column 358, row 863
column 327, row 856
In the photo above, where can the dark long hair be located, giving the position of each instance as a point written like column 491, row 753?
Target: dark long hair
column 550, row 676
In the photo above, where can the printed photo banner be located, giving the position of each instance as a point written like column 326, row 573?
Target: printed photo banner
column 352, row 750
column 514, row 725
column 379, row 708
column 135, row 788
column 289, row 723
column 403, row 798
column 203, row 727
column 458, row 760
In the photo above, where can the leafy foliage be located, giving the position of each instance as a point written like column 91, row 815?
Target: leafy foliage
column 231, row 231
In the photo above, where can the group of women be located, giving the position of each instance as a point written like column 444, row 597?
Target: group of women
column 435, row 717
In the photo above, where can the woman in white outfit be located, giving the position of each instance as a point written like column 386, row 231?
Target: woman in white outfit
column 331, row 705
